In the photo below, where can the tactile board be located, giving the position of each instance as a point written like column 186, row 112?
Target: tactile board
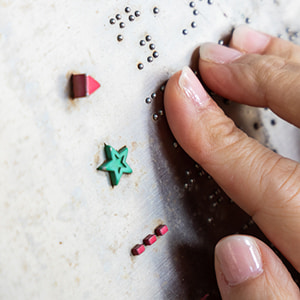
column 66, row 233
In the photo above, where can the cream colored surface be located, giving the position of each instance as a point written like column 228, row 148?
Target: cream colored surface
column 64, row 232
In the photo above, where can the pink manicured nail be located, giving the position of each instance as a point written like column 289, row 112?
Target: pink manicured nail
column 239, row 258
column 249, row 40
column 192, row 87
column 218, row 54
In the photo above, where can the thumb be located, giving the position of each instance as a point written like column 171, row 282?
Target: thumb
column 246, row 268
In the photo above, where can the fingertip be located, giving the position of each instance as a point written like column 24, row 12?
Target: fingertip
column 248, row 40
column 246, row 268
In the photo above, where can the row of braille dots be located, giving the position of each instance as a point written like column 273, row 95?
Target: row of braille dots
column 192, row 4
column 149, row 240
column 152, row 47
column 122, row 25
column 292, row 35
column 150, row 99
column 198, row 170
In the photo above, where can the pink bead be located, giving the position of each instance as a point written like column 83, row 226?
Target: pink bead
column 138, row 249
column 149, row 240
column 161, row 230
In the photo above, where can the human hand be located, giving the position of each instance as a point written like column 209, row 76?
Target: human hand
column 257, row 70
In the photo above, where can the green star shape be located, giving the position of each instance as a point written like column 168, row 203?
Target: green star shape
column 115, row 164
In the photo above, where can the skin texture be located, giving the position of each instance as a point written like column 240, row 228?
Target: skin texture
column 257, row 70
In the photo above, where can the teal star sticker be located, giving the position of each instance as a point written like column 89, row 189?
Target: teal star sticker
column 115, row 163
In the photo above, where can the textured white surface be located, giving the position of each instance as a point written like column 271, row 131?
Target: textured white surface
column 64, row 232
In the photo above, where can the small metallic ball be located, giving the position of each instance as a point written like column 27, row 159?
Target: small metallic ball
column 120, row 38
column 131, row 18
column 122, row 25
column 210, row 1
column 150, row 59
column 161, row 112
column 148, row 100
column 127, row 9
column 196, row 12
column 155, row 10
column 248, row 20
column 155, row 117
column 162, row 88
column 112, row 21
column 185, row 32
column 221, row 42
column 137, row 13
column 153, row 95
column 155, row 54
column 140, row 66
column 194, row 24
column 192, row 4
column 152, row 46
column 148, row 38
column 118, row 17
column 142, row 43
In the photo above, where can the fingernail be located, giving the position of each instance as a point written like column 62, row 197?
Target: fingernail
column 192, row 88
column 249, row 40
column 239, row 258
column 218, row 54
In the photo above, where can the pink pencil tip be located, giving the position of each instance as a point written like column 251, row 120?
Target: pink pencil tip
column 92, row 85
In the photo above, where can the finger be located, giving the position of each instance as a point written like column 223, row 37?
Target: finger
column 261, row 182
column 247, row 40
column 248, row 269
column 258, row 80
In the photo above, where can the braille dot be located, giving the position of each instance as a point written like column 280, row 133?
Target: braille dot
column 196, row 12
column 148, row 38
column 248, row 20
column 256, row 126
column 142, row 43
column 194, row 24
column 112, row 21
column 221, row 42
column 140, row 66
column 152, row 46
column 184, row 31
column 210, row 1
column 150, row 59
column 192, row 4
column 127, row 9
column 131, row 18
column 155, row 54
column 153, row 95
column 292, row 38
column 155, row 10
column 120, row 38
column 118, row 17
column 148, row 100
column 137, row 13
column 155, row 117
column 122, row 25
